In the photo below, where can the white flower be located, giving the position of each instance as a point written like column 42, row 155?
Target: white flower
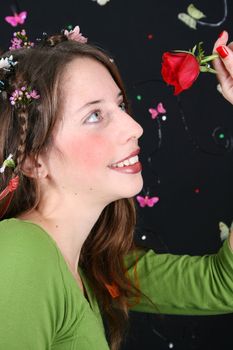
column 7, row 62
column 4, row 63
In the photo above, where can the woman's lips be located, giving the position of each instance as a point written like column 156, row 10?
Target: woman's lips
column 134, row 153
column 128, row 169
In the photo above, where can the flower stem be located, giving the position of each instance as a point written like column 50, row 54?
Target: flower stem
column 209, row 58
column 207, row 69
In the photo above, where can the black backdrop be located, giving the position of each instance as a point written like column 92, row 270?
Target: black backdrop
column 187, row 158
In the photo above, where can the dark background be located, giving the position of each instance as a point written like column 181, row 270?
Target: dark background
column 191, row 170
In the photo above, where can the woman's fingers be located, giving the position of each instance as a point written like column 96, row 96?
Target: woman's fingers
column 222, row 73
column 224, row 65
column 225, row 55
column 222, row 40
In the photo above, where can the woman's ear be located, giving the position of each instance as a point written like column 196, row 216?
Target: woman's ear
column 34, row 168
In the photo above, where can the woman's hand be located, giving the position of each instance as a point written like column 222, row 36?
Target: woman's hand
column 224, row 65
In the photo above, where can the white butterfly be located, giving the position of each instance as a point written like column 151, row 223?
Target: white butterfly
column 192, row 17
column 225, row 230
column 102, row 2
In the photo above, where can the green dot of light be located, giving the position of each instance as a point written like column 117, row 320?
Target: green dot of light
column 139, row 97
column 221, row 136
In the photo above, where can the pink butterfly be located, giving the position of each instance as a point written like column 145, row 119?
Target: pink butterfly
column 150, row 202
column 156, row 111
column 17, row 18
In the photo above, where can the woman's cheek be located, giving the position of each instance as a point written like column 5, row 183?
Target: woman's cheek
column 90, row 152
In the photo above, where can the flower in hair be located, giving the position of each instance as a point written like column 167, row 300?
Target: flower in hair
column 23, row 96
column 75, row 35
column 8, row 163
column 20, row 40
column 7, row 62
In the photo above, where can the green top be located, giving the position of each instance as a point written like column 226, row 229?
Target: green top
column 42, row 307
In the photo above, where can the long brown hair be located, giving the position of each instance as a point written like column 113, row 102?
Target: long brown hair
column 111, row 238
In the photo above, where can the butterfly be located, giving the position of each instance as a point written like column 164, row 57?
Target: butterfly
column 225, row 230
column 191, row 18
column 16, row 19
column 102, row 2
column 156, row 111
column 149, row 201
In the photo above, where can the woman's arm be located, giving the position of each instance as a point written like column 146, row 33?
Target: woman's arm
column 182, row 284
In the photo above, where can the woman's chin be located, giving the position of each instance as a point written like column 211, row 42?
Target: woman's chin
column 133, row 191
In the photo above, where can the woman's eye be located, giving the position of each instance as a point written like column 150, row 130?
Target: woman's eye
column 93, row 116
column 123, row 106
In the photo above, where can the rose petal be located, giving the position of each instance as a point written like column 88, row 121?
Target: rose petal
column 188, row 72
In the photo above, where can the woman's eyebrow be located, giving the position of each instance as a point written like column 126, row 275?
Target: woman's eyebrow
column 97, row 101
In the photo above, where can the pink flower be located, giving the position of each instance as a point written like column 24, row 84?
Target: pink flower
column 19, row 40
column 34, row 94
column 16, row 44
column 75, row 35
column 23, row 96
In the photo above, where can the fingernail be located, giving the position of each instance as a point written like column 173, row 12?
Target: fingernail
column 222, row 51
column 221, row 34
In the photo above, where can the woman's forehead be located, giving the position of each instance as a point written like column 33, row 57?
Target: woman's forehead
column 87, row 76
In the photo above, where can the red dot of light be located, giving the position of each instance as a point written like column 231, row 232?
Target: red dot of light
column 150, row 36
column 197, row 190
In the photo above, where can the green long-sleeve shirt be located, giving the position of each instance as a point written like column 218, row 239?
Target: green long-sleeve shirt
column 42, row 308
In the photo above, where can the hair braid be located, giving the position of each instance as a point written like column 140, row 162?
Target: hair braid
column 22, row 115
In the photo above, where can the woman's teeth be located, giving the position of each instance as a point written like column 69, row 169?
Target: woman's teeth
column 127, row 162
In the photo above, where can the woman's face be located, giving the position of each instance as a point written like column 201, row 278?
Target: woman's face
column 94, row 133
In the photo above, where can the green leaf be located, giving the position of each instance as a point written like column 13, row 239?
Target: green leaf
column 9, row 163
column 194, row 49
column 194, row 12
column 190, row 52
column 201, row 52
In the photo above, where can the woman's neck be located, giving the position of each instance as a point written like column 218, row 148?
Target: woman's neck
column 68, row 229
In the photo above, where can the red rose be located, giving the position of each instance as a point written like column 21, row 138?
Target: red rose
column 180, row 69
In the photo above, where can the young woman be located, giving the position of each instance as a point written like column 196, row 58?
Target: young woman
column 70, row 169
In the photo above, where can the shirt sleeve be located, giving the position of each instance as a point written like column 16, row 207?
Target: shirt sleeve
column 30, row 291
column 182, row 284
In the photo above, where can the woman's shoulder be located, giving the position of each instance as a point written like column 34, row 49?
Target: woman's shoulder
column 19, row 238
column 32, row 287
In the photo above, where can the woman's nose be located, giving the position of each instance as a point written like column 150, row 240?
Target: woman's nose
column 134, row 129
column 127, row 127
